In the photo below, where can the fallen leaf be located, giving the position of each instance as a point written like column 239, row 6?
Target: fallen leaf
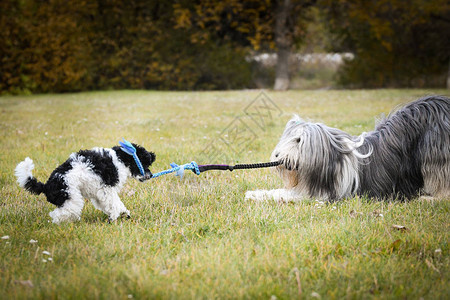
column 5, row 237
column 46, row 252
column 354, row 213
column 400, row 227
column 377, row 214
column 164, row 272
column 26, row 283
column 431, row 266
column 395, row 244
column 33, row 241
column 376, row 251
column 297, row 278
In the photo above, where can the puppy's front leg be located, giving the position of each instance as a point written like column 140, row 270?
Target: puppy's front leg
column 117, row 208
column 109, row 202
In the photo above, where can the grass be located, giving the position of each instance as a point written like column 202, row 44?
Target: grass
column 197, row 238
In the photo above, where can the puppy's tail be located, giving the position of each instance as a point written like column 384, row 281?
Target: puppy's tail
column 25, row 177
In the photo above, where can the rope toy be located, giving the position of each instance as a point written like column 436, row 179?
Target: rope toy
column 179, row 170
column 197, row 169
column 129, row 149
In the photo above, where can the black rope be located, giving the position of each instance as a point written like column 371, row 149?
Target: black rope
column 204, row 168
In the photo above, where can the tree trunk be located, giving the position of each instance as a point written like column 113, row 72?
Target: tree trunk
column 448, row 76
column 283, row 43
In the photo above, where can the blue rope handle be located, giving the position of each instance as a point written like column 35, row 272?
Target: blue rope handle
column 179, row 169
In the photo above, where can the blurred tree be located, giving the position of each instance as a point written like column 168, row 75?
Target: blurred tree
column 283, row 42
column 448, row 76
column 396, row 43
column 248, row 25
column 73, row 45
column 41, row 43
column 290, row 29
column 61, row 46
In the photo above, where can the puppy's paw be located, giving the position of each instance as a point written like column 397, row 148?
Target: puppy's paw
column 126, row 214
column 112, row 219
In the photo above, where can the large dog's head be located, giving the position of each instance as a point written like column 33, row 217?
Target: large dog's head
column 314, row 155
column 146, row 158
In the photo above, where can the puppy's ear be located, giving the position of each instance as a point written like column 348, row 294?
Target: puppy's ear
column 152, row 157
column 147, row 158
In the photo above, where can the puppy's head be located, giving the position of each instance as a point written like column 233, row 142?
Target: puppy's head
column 146, row 158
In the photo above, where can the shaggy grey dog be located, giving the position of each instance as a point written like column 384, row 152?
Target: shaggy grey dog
column 407, row 155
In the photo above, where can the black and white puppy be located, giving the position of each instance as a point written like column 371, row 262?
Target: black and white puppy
column 98, row 174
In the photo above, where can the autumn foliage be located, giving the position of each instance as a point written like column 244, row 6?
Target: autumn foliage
column 396, row 43
column 71, row 45
column 75, row 45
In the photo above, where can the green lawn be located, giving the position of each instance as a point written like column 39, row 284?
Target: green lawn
column 197, row 237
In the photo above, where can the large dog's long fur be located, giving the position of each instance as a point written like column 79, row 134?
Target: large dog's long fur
column 407, row 154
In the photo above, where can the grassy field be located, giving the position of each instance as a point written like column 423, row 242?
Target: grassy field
column 197, row 237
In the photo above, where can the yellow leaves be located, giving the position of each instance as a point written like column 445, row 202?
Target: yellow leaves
column 244, row 29
column 255, row 41
column 251, row 19
column 199, row 37
column 382, row 29
column 79, row 45
column 182, row 17
column 387, row 45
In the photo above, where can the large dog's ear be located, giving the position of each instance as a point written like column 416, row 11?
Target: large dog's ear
column 295, row 120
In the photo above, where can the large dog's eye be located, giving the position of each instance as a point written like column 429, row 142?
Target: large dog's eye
column 298, row 140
